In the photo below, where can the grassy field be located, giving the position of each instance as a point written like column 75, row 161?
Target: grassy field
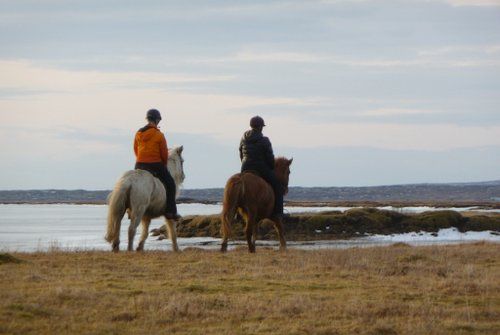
column 386, row 290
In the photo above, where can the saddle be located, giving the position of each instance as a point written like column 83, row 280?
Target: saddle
column 256, row 173
column 155, row 174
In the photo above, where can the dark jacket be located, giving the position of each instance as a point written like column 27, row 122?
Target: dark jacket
column 256, row 149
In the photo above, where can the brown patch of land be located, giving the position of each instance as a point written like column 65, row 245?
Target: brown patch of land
column 389, row 290
column 409, row 203
column 352, row 223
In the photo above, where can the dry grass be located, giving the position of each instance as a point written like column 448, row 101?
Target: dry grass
column 391, row 290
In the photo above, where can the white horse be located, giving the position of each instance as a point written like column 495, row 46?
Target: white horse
column 144, row 197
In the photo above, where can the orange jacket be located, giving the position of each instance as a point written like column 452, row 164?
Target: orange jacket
column 150, row 145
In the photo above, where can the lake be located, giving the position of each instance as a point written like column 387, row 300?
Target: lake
column 29, row 228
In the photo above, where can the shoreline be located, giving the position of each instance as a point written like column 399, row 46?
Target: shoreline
column 410, row 240
column 396, row 204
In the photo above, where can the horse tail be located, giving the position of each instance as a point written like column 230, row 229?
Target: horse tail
column 117, row 202
column 233, row 193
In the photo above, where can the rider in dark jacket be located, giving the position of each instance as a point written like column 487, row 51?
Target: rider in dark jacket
column 256, row 154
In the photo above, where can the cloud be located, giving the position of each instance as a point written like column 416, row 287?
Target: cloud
column 460, row 3
column 57, row 143
column 429, row 137
column 481, row 50
column 164, row 10
column 26, row 76
column 98, row 100
column 102, row 103
column 396, row 112
column 422, row 59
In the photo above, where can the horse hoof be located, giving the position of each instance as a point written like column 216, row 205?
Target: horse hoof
column 155, row 232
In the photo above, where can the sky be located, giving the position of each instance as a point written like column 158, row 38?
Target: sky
column 359, row 92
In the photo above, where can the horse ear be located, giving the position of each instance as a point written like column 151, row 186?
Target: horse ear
column 290, row 161
column 180, row 149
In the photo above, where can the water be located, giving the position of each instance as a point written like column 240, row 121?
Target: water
column 29, row 228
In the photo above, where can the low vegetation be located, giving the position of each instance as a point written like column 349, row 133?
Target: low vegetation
column 389, row 290
column 352, row 223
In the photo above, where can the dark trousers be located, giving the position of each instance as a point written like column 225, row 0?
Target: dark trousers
column 160, row 171
column 268, row 175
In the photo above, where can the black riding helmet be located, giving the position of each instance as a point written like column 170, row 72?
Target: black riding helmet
column 257, row 122
column 153, row 115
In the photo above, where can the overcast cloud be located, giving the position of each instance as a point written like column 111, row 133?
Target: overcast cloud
column 412, row 85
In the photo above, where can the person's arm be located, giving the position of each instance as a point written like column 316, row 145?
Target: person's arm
column 136, row 146
column 241, row 150
column 163, row 149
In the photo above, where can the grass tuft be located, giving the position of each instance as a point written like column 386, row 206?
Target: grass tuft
column 8, row 258
column 124, row 317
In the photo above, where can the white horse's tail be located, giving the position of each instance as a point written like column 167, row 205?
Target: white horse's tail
column 117, row 202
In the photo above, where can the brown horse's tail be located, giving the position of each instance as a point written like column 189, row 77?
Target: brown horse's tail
column 232, row 197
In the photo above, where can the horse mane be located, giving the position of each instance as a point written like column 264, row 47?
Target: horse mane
column 280, row 165
column 175, row 166
column 280, row 162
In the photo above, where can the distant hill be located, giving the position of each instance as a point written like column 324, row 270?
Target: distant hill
column 458, row 192
column 53, row 196
column 454, row 192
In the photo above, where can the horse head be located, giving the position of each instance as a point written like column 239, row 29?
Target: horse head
column 176, row 165
column 282, row 171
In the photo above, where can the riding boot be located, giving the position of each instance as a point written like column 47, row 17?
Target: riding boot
column 278, row 200
column 171, row 206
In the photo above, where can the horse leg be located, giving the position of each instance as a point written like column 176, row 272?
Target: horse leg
column 116, row 244
column 132, row 228
column 278, row 225
column 249, row 228
column 254, row 234
column 171, row 227
column 226, row 222
column 223, row 246
column 145, row 233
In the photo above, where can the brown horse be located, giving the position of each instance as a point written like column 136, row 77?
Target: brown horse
column 253, row 198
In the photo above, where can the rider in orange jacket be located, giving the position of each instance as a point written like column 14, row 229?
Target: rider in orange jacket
column 151, row 151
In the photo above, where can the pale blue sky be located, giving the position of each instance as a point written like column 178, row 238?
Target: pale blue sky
column 358, row 92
